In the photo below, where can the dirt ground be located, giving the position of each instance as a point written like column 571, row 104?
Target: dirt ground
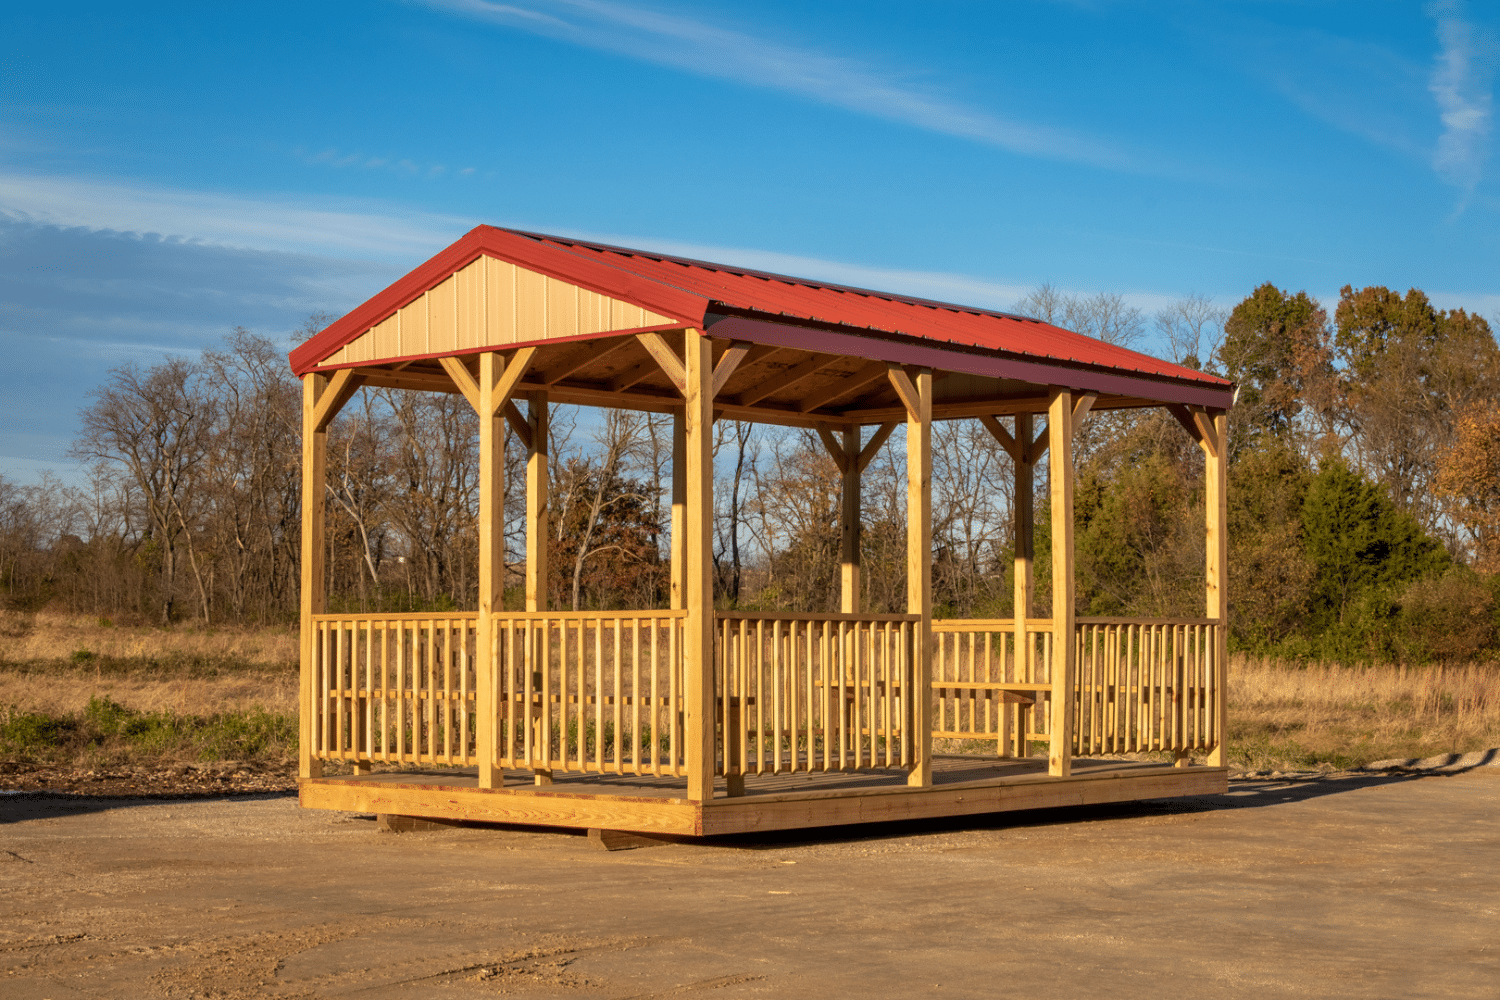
column 1379, row 886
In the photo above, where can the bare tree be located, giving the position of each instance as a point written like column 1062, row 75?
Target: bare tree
column 156, row 424
column 618, row 436
column 1194, row 329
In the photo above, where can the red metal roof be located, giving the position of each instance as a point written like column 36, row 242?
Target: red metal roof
column 698, row 292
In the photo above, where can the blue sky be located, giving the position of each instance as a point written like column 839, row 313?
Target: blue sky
column 168, row 172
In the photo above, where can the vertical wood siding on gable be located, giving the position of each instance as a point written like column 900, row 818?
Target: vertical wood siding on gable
column 492, row 303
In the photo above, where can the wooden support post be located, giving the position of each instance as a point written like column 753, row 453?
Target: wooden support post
column 1064, row 646
column 313, row 597
column 1024, row 528
column 849, row 525
column 1217, row 515
column 491, row 562
column 698, row 584
column 919, row 563
column 537, row 535
column 679, row 508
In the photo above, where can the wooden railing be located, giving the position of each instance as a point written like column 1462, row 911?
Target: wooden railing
column 605, row 692
column 591, row 691
column 395, row 688
column 576, row 691
column 982, row 690
column 828, row 692
column 1138, row 685
column 1145, row 685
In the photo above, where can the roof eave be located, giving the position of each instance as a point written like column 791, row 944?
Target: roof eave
column 899, row 349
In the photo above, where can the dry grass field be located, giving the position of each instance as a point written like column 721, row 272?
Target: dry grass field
column 1292, row 716
column 1283, row 716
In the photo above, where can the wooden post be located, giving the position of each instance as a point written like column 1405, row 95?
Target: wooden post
column 679, row 508
column 849, row 525
column 1025, row 534
column 919, row 570
column 698, row 584
column 537, row 486
column 1217, row 515
column 491, row 563
column 1064, row 647
column 313, row 597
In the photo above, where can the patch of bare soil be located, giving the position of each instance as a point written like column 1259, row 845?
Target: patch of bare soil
column 174, row 781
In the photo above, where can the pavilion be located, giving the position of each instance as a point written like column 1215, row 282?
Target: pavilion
column 692, row 721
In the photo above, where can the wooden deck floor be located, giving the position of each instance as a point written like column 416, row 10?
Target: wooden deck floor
column 962, row 785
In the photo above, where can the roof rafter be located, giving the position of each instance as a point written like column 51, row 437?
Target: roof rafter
column 784, row 380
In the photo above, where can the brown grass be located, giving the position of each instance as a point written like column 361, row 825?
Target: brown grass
column 1287, row 716
column 55, row 663
column 45, row 637
column 65, row 691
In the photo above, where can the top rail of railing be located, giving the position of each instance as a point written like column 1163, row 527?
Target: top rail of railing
column 799, row 616
column 1006, row 624
column 427, row 616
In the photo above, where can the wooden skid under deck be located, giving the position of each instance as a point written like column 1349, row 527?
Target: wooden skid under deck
column 651, row 808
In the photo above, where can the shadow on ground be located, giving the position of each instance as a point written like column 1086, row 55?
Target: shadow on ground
column 1243, row 793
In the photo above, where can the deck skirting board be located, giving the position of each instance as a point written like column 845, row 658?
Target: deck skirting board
column 637, row 814
column 841, row 807
column 756, row 813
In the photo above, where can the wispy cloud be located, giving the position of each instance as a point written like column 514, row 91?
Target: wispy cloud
column 337, row 159
column 297, row 226
column 1462, row 84
column 709, row 50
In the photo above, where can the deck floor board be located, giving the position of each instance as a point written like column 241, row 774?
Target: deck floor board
column 947, row 769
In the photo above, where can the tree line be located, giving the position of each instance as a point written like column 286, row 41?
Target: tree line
column 1364, row 491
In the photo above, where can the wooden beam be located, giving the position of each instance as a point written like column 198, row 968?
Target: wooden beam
column 698, row 659
column 759, row 813
column 679, row 509
column 872, row 447
column 494, row 374
column 970, row 408
column 1182, row 415
column 506, row 378
column 849, row 513
column 1064, row 643
column 650, row 815
column 313, row 596
column 415, row 381
column 728, row 362
column 1023, row 538
column 537, row 483
column 758, row 353
column 632, row 375
column 659, row 403
column 1002, row 435
column 784, row 380
column 1081, row 408
column 509, row 377
column 538, row 531
column 919, row 564
column 592, row 351
column 905, row 390
column 341, row 388
column 1216, row 581
column 518, row 422
column 665, row 358
column 863, row 377
column 835, row 450
column 1038, row 446
column 463, row 379
column 1208, row 438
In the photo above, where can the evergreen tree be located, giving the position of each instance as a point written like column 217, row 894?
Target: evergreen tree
column 1365, row 548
